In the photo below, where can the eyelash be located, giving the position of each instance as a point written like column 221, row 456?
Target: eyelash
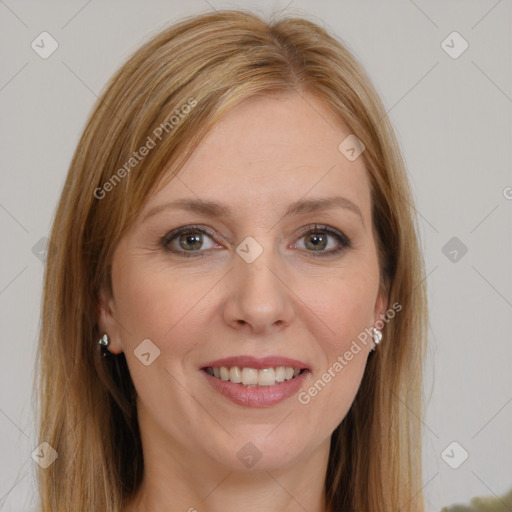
column 344, row 241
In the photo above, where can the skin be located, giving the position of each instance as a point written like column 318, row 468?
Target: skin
column 265, row 154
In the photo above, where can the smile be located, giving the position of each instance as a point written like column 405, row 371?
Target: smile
column 252, row 377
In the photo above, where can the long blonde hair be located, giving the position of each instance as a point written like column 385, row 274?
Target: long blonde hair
column 212, row 62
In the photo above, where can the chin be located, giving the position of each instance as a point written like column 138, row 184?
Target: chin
column 260, row 448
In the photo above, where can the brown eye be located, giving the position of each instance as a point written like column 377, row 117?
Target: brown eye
column 317, row 240
column 190, row 240
column 187, row 241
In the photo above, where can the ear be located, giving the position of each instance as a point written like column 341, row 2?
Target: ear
column 381, row 303
column 107, row 323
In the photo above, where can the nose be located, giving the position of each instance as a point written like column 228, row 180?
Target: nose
column 259, row 299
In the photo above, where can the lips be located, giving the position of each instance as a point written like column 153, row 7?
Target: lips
column 256, row 382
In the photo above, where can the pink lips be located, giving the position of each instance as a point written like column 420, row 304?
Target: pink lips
column 265, row 396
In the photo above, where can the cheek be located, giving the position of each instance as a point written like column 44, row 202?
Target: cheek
column 151, row 302
column 169, row 306
column 345, row 303
column 161, row 305
column 345, row 306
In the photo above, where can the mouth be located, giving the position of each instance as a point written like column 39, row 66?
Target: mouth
column 253, row 382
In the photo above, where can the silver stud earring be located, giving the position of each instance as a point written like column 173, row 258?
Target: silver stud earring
column 377, row 337
column 103, row 344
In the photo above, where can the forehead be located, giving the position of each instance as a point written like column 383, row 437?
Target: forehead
column 271, row 150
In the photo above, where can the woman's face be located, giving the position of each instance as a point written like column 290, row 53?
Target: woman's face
column 269, row 278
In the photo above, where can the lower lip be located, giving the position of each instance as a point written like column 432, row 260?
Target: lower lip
column 264, row 396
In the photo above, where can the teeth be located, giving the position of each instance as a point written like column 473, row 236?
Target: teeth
column 249, row 376
column 235, row 375
column 267, row 377
column 254, row 378
column 280, row 373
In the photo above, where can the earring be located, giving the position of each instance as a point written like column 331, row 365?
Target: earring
column 103, row 344
column 377, row 337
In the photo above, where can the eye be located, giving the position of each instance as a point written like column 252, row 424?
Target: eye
column 317, row 239
column 189, row 240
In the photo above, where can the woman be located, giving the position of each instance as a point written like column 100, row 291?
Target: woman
column 234, row 310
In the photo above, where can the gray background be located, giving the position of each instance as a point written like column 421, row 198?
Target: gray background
column 452, row 118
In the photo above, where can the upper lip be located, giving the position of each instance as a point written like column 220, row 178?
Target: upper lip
column 246, row 361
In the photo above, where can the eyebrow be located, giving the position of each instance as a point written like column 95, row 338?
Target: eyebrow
column 219, row 210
